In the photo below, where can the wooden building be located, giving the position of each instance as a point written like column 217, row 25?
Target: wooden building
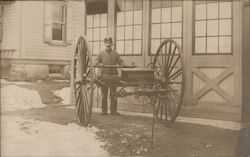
column 214, row 36
column 38, row 37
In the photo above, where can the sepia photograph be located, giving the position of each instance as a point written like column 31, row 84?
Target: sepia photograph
column 125, row 78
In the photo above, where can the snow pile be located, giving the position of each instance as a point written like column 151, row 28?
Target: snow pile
column 61, row 80
column 64, row 94
column 31, row 138
column 17, row 98
column 3, row 81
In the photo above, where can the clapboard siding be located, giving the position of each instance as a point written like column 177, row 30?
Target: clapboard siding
column 11, row 26
column 33, row 45
column 79, row 19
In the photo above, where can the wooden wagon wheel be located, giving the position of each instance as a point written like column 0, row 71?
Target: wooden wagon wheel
column 169, row 71
column 83, row 81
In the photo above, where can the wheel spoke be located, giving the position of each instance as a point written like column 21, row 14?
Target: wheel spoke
column 175, row 74
column 171, row 59
column 173, row 66
column 168, row 54
column 160, row 66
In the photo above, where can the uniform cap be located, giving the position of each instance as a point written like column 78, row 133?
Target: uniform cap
column 108, row 39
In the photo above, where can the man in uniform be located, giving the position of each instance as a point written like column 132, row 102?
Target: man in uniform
column 109, row 57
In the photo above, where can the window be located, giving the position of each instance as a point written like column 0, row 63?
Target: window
column 166, row 22
column 96, row 24
column 213, row 27
column 55, row 69
column 129, row 27
column 58, row 22
column 1, row 23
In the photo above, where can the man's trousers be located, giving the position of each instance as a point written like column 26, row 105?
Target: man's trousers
column 113, row 99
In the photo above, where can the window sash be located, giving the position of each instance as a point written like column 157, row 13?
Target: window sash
column 61, row 23
column 165, row 16
column 214, row 36
column 129, row 27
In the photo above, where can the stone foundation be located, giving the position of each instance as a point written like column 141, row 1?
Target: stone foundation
column 28, row 72
column 23, row 72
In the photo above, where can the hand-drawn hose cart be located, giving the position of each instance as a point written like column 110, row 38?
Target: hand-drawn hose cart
column 162, row 82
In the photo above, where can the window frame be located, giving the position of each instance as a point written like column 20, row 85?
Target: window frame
column 1, row 22
column 129, row 25
column 63, row 23
column 100, row 41
column 170, row 22
column 206, row 36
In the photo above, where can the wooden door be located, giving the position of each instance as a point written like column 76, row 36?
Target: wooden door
column 246, row 63
column 213, row 66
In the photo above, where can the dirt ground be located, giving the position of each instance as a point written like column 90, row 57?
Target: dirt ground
column 131, row 135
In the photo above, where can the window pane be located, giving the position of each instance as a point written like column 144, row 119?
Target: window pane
column 212, row 11
column 166, row 15
column 90, row 21
column 155, row 43
column 90, row 34
column 212, row 27
column 103, row 33
column 120, row 18
column 128, row 18
column 96, row 48
column 128, row 47
column 57, row 31
column 200, row 45
column 179, row 42
column 138, row 17
column 200, row 12
column 97, row 34
column 156, row 15
column 165, row 33
column 128, row 32
column 176, row 3
column 129, row 5
column 156, row 3
column 120, row 33
column 137, row 32
column 225, row 9
column 137, row 47
column 225, row 44
column 155, row 31
column 225, row 27
column 176, row 30
column 212, row 45
column 103, row 20
column 58, row 13
column 120, row 47
column 200, row 28
column 121, row 5
column 91, row 47
column 176, row 14
column 138, row 5
column 166, row 4
column 102, row 46
column 97, row 20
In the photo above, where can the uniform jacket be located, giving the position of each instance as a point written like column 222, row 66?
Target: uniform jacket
column 109, row 58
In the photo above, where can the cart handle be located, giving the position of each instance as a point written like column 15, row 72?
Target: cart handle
column 114, row 66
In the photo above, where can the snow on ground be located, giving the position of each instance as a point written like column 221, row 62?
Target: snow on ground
column 3, row 81
column 17, row 98
column 61, row 80
column 29, row 138
column 64, row 94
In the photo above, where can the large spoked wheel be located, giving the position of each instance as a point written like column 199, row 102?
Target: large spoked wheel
column 169, row 72
column 83, row 81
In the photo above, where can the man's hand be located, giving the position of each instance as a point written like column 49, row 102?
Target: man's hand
column 99, row 64
column 133, row 64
